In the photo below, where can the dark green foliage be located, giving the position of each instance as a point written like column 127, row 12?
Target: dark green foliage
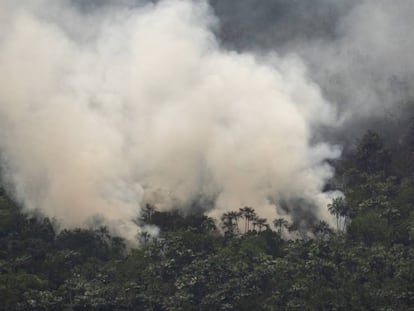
column 371, row 155
column 369, row 228
column 366, row 262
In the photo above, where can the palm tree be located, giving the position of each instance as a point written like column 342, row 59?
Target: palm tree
column 235, row 216
column 228, row 221
column 235, row 219
column 340, row 209
column 322, row 229
column 209, row 224
column 147, row 212
column 249, row 215
column 260, row 223
column 280, row 223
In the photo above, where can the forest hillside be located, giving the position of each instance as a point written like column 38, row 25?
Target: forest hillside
column 242, row 262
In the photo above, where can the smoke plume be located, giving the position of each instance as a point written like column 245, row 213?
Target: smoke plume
column 104, row 108
column 357, row 51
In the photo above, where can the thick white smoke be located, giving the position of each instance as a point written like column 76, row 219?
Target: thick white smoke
column 104, row 111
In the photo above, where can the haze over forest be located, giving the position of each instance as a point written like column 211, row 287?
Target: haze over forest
column 129, row 125
column 109, row 105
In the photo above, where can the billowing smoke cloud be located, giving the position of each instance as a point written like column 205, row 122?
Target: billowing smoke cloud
column 104, row 110
column 368, row 70
column 358, row 51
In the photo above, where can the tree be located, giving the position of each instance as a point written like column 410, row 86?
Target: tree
column 370, row 228
column 340, row 209
column 371, row 154
column 249, row 215
column 260, row 223
column 280, row 223
column 229, row 225
column 322, row 229
column 146, row 213
column 235, row 216
column 208, row 224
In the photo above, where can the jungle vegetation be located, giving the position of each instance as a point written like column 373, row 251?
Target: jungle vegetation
column 240, row 262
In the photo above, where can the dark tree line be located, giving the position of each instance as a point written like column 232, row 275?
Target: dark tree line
column 242, row 262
